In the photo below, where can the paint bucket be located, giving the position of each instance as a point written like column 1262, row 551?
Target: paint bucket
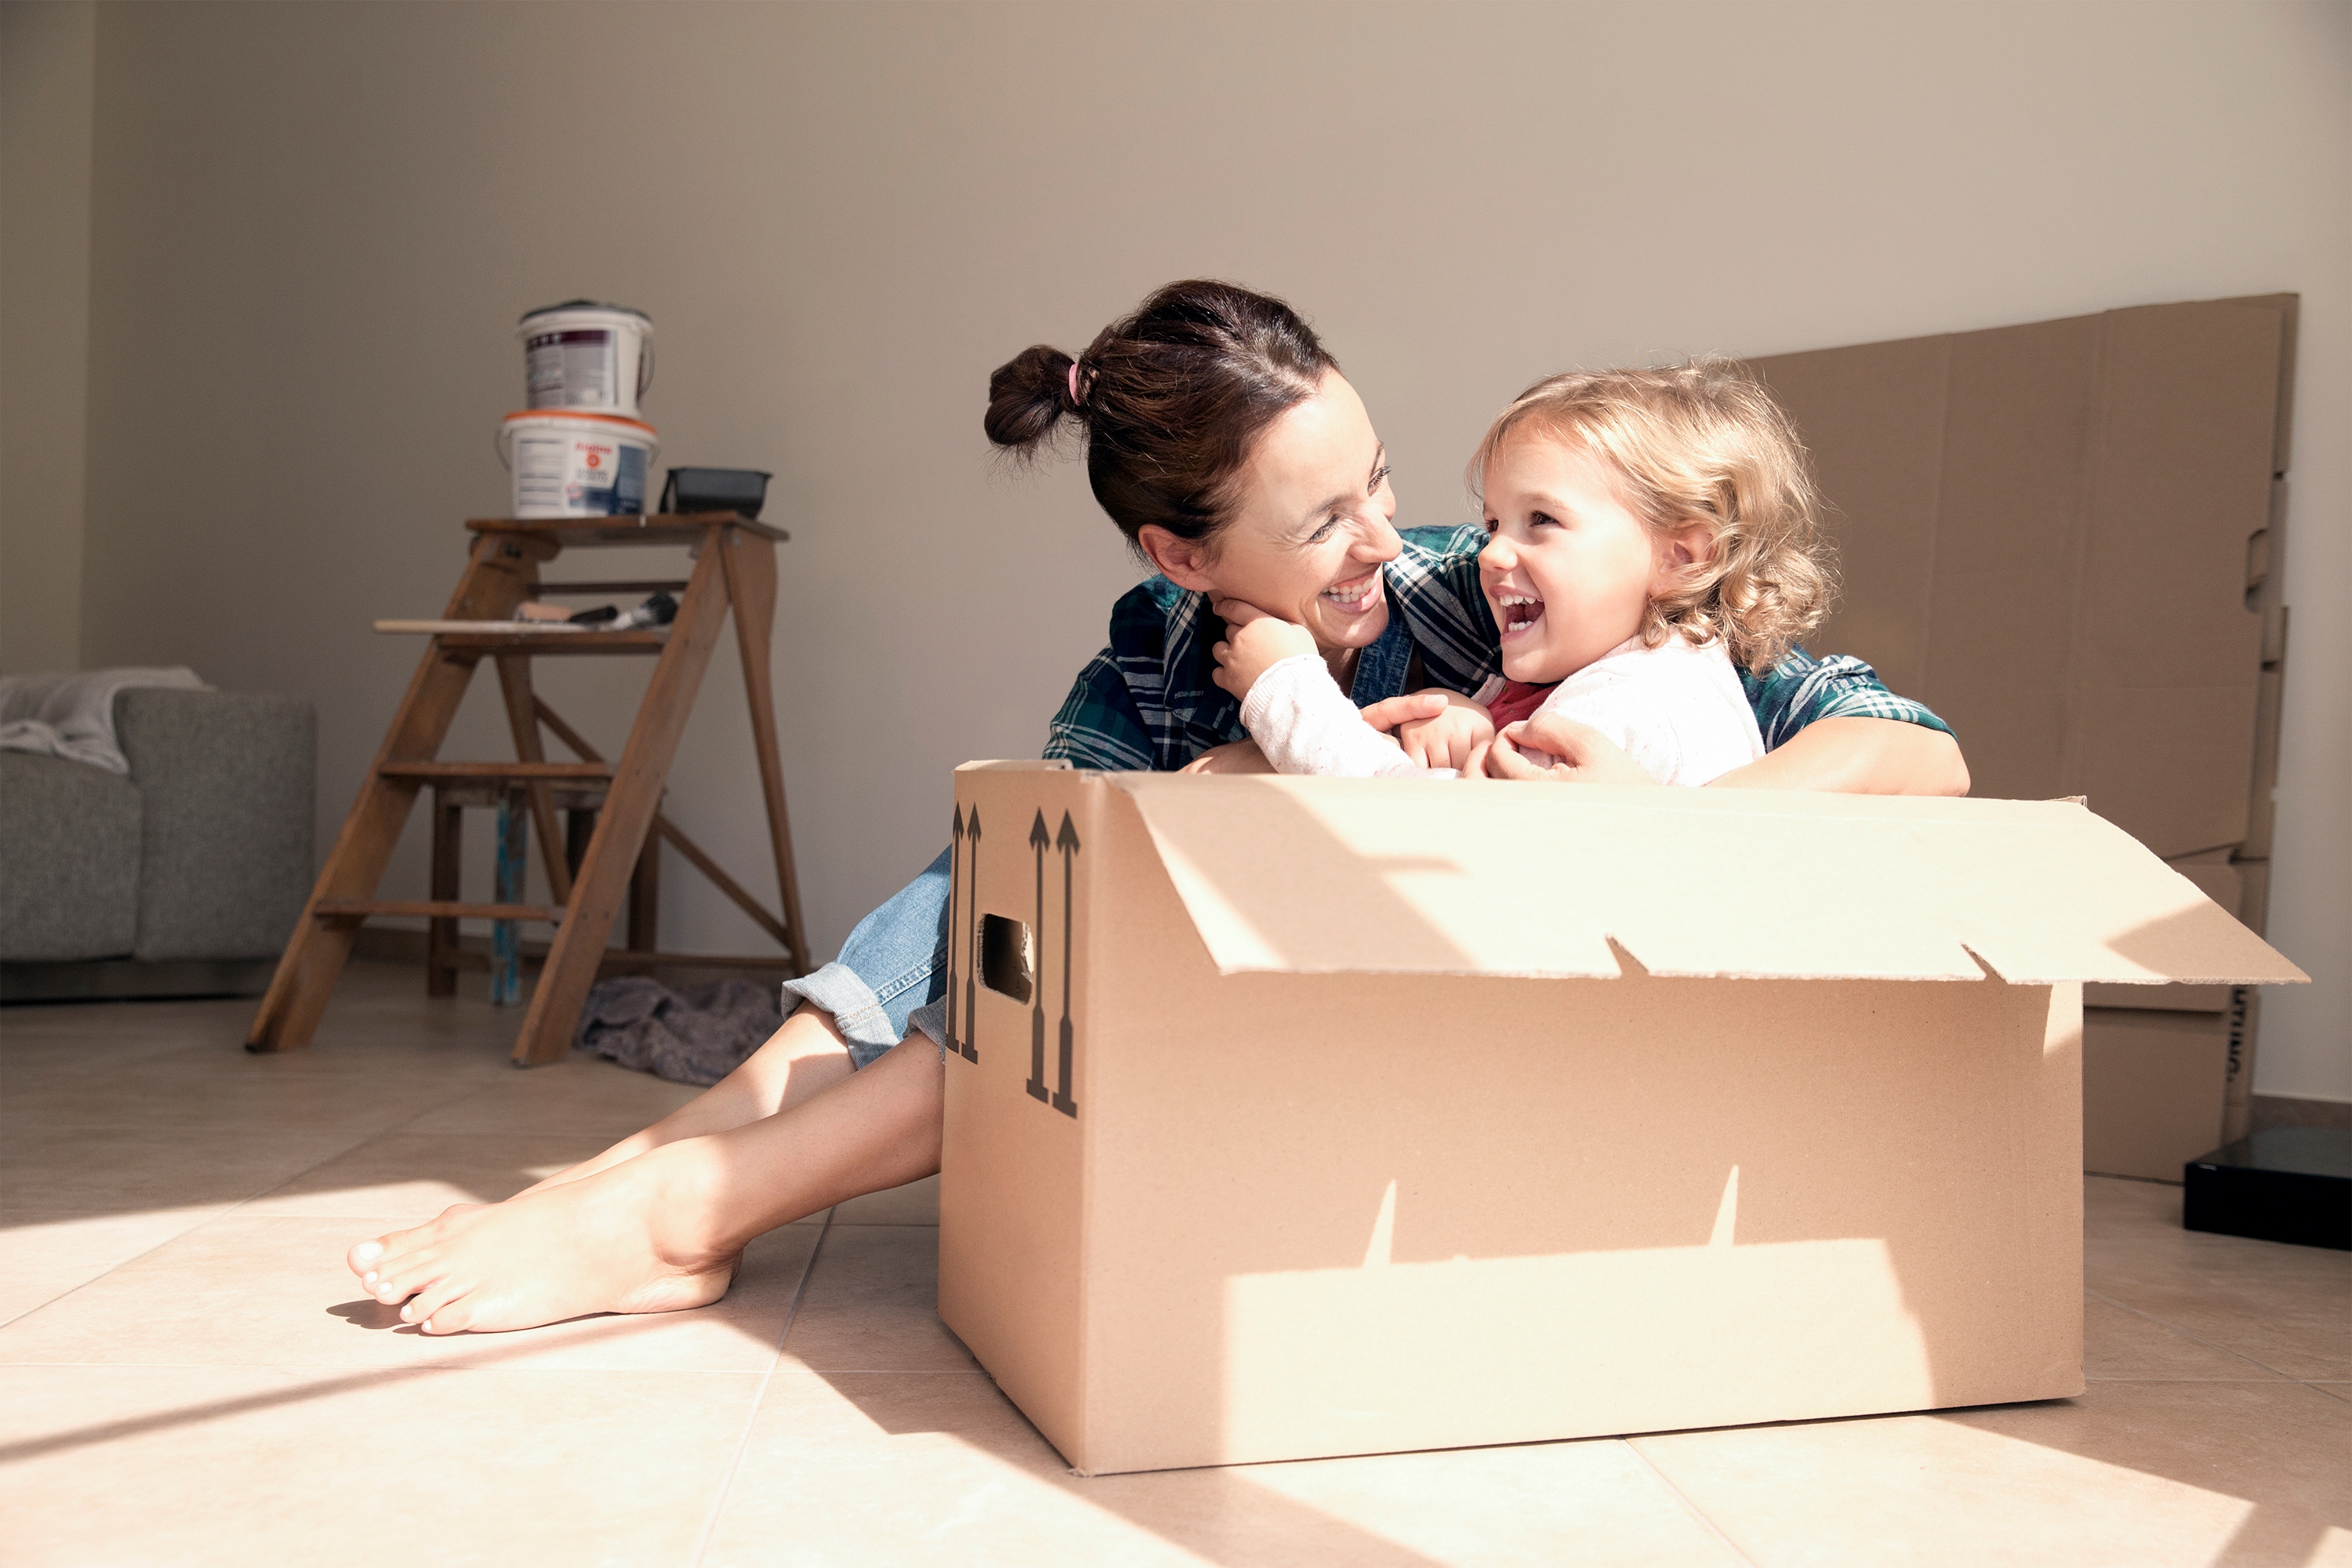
column 577, row 464
column 586, row 354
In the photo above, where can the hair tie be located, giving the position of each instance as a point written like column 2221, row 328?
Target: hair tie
column 1075, row 401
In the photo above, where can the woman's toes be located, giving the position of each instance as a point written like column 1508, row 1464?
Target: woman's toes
column 449, row 1318
column 430, row 1303
column 363, row 1258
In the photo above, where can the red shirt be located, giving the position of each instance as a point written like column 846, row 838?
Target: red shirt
column 1517, row 701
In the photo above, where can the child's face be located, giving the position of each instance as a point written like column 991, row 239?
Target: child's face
column 1567, row 569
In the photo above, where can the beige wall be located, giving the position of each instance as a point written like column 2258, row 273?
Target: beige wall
column 48, row 61
column 315, row 226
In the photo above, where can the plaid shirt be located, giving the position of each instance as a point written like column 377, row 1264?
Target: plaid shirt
column 1146, row 702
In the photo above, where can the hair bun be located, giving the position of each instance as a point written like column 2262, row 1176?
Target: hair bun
column 1027, row 396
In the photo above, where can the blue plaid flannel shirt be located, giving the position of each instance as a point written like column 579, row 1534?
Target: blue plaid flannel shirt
column 1148, row 702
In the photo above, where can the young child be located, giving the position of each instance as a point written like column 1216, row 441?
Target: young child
column 1649, row 531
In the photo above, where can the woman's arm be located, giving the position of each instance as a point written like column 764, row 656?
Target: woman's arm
column 1855, row 756
column 1859, row 756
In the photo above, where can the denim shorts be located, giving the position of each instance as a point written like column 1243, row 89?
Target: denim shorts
column 892, row 972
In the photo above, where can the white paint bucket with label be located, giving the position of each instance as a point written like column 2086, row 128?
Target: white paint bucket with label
column 577, row 464
column 584, row 354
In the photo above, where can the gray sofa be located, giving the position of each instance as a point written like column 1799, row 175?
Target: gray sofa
column 183, row 878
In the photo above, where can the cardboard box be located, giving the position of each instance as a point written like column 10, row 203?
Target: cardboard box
column 2219, row 879
column 1290, row 1117
column 2154, row 1085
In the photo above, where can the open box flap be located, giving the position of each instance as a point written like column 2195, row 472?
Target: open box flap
column 1314, row 874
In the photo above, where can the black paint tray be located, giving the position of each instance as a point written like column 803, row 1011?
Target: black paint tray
column 743, row 490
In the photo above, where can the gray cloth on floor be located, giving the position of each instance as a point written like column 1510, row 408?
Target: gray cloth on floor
column 72, row 715
column 699, row 1034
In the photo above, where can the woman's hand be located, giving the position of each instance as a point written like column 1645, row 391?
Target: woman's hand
column 1586, row 755
column 1254, row 643
column 1447, row 738
column 1234, row 757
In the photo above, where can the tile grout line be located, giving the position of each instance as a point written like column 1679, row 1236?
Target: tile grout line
column 759, row 1397
column 2184, row 1333
column 1689, row 1507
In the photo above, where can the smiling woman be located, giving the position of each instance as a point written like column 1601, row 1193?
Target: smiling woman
column 1223, row 442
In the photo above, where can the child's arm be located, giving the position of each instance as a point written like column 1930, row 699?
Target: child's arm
column 1291, row 706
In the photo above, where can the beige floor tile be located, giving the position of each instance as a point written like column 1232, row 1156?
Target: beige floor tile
column 2148, row 1475
column 261, row 1291
column 2282, row 1306
column 415, row 1176
column 579, row 1095
column 825, row 1479
column 225, row 1093
column 2336, row 1390
column 2122, row 1346
column 873, row 1304
column 1536, row 1504
column 910, row 1468
column 917, row 1203
column 238, row 1465
column 2117, row 1206
column 42, row 1256
column 115, row 1170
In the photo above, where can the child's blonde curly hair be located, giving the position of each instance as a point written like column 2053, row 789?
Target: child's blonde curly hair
column 1702, row 442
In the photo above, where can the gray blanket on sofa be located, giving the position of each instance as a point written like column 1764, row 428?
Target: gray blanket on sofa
column 72, row 715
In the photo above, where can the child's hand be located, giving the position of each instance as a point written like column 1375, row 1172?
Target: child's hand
column 1586, row 755
column 1254, row 643
column 1447, row 738
column 1234, row 757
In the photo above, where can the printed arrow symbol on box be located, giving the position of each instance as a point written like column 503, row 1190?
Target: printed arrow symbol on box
column 971, row 939
column 955, row 895
column 1039, row 840
column 1067, row 841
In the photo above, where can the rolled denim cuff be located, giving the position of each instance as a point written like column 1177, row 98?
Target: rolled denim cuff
column 931, row 1018
column 856, row 1011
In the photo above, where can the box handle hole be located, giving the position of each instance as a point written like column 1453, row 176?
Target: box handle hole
column 1008, row 957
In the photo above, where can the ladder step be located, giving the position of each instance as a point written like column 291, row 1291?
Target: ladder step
column 646, row 586
column 548, row 645
column 520, row 771
column 435, row 909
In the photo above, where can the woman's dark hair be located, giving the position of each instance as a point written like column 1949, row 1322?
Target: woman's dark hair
column 1170, row 398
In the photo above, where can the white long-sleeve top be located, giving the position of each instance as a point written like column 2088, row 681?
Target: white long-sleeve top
column 1305, row 724
column 1678, row 710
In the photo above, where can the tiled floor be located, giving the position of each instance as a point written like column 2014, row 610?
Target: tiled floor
column 188, row 1376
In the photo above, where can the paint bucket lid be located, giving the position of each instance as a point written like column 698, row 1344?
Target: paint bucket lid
column 586, row 414
column 583, row 305
column 618, row 427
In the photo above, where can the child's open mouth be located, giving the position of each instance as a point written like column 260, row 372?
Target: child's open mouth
column 1355, row 598
column 1516, row 612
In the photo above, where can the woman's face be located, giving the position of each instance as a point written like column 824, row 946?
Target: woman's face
column 1310, row 528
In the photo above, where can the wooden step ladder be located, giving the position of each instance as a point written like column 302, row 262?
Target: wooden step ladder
column 734, row 566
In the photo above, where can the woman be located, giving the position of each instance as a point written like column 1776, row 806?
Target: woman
column 1225, row 444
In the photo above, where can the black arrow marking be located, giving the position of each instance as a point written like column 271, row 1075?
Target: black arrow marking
column 971, row 937
column 955, row 891
column 1039, row 840
column 1067, row 842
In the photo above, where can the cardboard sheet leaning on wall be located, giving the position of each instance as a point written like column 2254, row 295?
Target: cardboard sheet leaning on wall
column 2066, row 538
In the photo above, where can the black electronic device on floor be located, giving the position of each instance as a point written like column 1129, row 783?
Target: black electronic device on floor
column 2282, row 1183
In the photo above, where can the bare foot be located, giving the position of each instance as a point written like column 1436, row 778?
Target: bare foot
column 605, row 1243
column 663, row 1231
